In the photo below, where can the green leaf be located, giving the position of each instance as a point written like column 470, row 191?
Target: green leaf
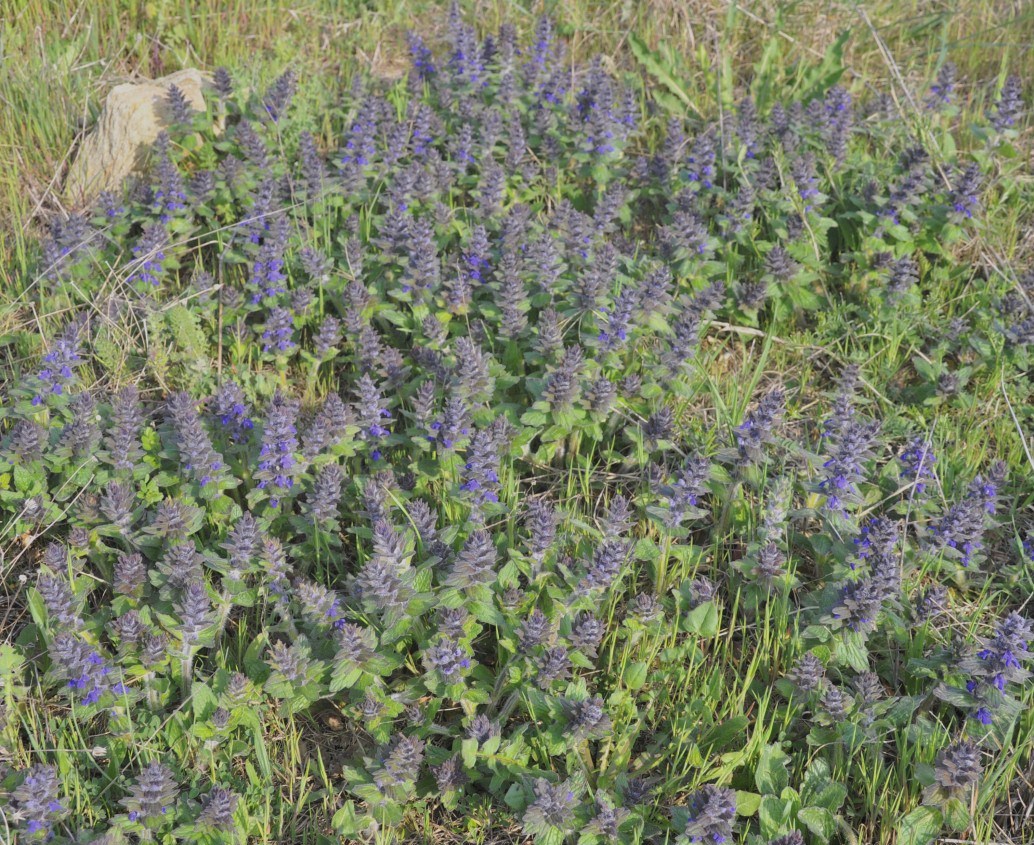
column 26, row 479
column 203, row 700
column 345, row 823
column 774, row 814
column 150, row 440
column 747, row 803
column 819, row 821
column 37, row 607
column 469, row 752
column 829, row 795
column 390, row 814
column 553, row 836
column 851, row 650
column 487, row 613
column 722, row 737
column 702, row 620
column 533, row 418
column 956, row 814
column 253, row 662
column 188, row 336
column 250, row 719
column 635, row 675
column 771, row 776
column 816, row 632
column 900, row 713
column 11, row 661
column 514, row 797
column 920, row 826
column 823, row 76
column 819, row 769
column 660, row 69
column 955, row 696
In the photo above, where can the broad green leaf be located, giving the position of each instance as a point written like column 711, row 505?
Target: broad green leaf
column 956, row 814
column 920, row 826
column 829, row 795
column 771, row 776
column 851, row 650
column 774, row 815
column 747, row 803
column 702, row 620
column 204, row 701
column 344, row 821
column 635, row 675
column 819, row 821
column 469, row 752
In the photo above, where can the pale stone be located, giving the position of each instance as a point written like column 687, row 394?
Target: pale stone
column 132, row 117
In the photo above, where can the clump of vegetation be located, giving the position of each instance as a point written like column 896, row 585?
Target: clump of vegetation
column 425, row 431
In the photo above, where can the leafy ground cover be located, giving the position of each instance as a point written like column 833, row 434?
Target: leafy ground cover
column 530, row 445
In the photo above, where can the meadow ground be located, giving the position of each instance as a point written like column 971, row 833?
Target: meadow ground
column 740, row 385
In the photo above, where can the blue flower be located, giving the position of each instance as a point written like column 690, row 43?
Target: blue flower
column 57, row 373
column 423, row 58
column 278, row 465
column 917, row 464
column 35, row 800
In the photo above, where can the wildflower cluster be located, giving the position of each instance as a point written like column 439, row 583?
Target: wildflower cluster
column 451, row 455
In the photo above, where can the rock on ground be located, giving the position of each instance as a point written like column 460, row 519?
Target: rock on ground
column 133, row 115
